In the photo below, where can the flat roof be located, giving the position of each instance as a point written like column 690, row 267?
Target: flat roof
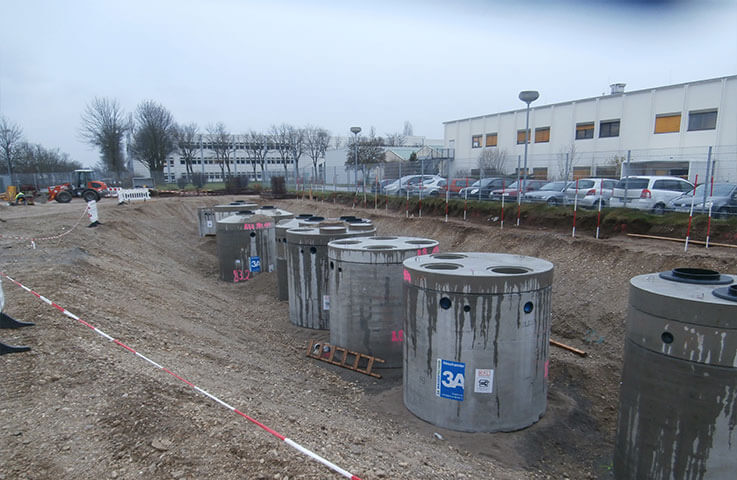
column 594, row 98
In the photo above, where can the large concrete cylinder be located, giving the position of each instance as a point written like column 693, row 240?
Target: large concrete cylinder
column 228, row 209
column 365, row 288
column 476, row 333
column 245, row 246
column 276, row 214
column 678, row 396
column 307, row 269
column 282, row 287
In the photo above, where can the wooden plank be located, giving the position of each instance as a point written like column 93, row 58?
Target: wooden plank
column 681, row 240
column 342, row 360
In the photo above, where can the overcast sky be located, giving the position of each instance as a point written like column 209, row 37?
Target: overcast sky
column 339, row 63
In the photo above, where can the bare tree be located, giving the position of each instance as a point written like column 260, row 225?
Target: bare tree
column 222, row 145
column 370, row 150
column 408, row 131
column 10, row 136
column 316, row 141
column 492, row 160
column 566, row 160
column 258, row 145
column 103, row 126
column 153, row 136
column 296, row 142
column 186, row 137
column 280, row 138
column 394, row 139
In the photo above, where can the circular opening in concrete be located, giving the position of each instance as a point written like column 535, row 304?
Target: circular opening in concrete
column 445, row 303
column 696, row 274
column 442, row 266
column 313, row 250
column 467, row 308
column 301, row 229
column 449, row 256
column 346, row 242
column 379, row 247
column 384, row 238
column 421, row 242
column 509, row 270
column 253, row 234
column 667, row 337
column 332, row 266
column 528, row 307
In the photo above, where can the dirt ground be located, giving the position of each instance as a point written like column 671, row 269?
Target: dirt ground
column 78, row 406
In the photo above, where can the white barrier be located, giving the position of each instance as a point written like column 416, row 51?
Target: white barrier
column 113, row 191
column 132, row 194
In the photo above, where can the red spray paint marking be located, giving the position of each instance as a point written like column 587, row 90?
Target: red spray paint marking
column 397, row 335
column 407, row 276
column 286, row 440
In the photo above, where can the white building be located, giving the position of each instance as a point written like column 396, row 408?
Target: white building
column 663, row 130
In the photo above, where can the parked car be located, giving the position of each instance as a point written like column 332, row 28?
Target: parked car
column 480, row 189
column 399, row 187
column 590, row 190
column 650, row 193
column 552, row 193
column 379, row 187
column 456, row 184
column 722, row 199
column 431, row 187
column 510, row 193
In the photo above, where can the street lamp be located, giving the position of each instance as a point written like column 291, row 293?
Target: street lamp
column 355, row 131
column 527, row 96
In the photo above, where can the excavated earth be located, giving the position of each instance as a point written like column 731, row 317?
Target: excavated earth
column 79, row 406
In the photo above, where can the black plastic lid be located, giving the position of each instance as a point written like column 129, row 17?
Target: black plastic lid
column 726, row 293
column 699, row 276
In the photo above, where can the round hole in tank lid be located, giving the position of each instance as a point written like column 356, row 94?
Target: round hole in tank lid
column 300, row 230
column 701, row 276
column 346, row 242
column 384, row 238
column 509, row 270
column 726, row 293
column 380, row 247
column 667, row 337
column 448, row 256
column 332, row 230
column 316, row 219
column 245, row 212
column 442, row 266
column 348, row 217
column 236, row 203
column 268, row 207
column 302, row 216
column 422, row 242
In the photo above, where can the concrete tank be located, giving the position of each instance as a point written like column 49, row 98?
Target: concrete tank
column 678, row 395
column 227, row 209
column 245, row 246
column 365, row 288
column 277, row 214
column 307, row 269
column 476, row 332
column 282, row 226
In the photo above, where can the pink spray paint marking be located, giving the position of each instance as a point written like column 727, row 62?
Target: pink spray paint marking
column 407, row 276
column 547, row 364
column 397, row 335
column 241, row 275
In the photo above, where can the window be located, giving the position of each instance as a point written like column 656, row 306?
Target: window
column 705, row 120
column 584, row 130
column 540, row 173
column 668, row 123
column 542, row 135
column 521, row 137
column 491, row 139
column 580, row 172
column 609, row 128
column 476, row 141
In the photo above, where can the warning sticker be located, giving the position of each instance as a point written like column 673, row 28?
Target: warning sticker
column 326, row 302
column 255, row 264
column 450, row 379
column 484, row 381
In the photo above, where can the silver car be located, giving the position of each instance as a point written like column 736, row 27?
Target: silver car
column 722, row 199
column 590, row 190
column 552, row 193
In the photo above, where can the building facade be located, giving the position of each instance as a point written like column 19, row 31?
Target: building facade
column 671, row 130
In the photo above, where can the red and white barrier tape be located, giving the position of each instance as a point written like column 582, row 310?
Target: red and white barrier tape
column 53, row 237
column 286, row 440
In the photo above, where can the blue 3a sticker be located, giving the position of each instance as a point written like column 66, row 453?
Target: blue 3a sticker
column 450, row 379
column 255, row 263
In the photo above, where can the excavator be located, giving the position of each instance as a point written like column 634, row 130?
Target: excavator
column 83, row 185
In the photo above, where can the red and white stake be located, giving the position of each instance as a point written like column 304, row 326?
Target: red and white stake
column 708, row 226
column 447, row 199
column 519, row 201
column 502, row 215
column 575, row 206
column 690, row 214
column 286, row 440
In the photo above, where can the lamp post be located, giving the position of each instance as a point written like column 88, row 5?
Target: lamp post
column 527, row 96
column 355, row 131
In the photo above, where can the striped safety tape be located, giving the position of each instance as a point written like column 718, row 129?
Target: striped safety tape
column 53, row 237
column 286, row 440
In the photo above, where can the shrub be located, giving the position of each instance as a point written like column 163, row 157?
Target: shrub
column 182, row 182
column 198, row 180
column 278, row 186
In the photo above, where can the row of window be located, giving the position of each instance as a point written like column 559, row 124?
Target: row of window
column 239, row 162
column 665, row 123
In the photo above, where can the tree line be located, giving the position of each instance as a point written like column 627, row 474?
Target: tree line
column 154, row 135
column 18, row 155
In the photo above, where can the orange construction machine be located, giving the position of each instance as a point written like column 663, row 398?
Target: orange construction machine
column 84, row 185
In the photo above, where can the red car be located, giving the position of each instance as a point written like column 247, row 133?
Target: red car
column 510, row 192
column 456, row 184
